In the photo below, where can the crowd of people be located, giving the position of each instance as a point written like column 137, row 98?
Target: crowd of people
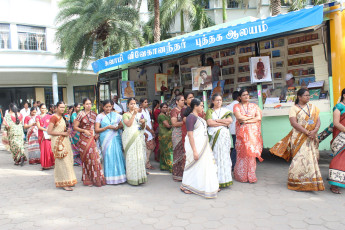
column 203, row 151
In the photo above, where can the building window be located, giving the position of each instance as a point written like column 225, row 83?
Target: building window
column 5, row 36
column 31, row 38
column 81, row 92
column 233, row 4
column 48, row 95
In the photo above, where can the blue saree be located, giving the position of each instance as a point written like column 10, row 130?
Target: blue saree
column 111, row 144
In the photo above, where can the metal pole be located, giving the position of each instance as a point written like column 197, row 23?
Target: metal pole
column 259, row 88
column 55, row 88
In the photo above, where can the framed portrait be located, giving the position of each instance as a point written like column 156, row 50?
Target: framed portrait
column 202, row 78
column 217, row 87
column 127, row 89
column 161, row 82
column 260, row 70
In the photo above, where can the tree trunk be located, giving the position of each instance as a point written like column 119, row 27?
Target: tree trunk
column 276, row 7
column 106, row 52
column 182, row 22
column 157, row 29
column 139, row 5
column 224, row 5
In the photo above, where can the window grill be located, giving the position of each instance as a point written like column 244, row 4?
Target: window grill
column 233, row 4
column 31, row 38
column 5, row 42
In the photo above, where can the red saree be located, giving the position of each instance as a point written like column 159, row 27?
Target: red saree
column 47, row 156
column 249, row 145
column 336, row 176
column 91, row 164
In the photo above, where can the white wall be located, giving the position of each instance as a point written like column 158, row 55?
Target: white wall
column 77, row 80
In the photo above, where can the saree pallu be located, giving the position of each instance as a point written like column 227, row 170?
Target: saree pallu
column 4, row 139
column 133, row 141
column 111, row 144
column 63, row 172
column 15, row 139
column 336, row 175
column 74, row 138
column 34, row 152
column 165, row 144
column 200, row 177
column 91, row 164
column 220, row 142
column 304, row 172
column 179, row 157
column 47, row 156
column 249, row 145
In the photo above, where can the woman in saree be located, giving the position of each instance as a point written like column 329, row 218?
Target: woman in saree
column 188, row 99
column 200, row 172
column 336, row 176
column 218, row 121
column 302, row 145
column 42, row 122
column 34, row 152
column 91, row 163
column 155, row 113
column 58, row 129
column 75, row 135
column 108, row 125
column 133, row 141
column 165, row 141
column 13, row 123
column 249, row 142
column 179, row 158
column 149, row 133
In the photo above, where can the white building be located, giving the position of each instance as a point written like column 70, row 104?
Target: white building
column 28, row 60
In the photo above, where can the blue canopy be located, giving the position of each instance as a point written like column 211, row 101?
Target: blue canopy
column 222, row 36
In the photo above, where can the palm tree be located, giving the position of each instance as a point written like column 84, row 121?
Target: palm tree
column 157, row 30
column 300, row 4
column 89, row 29
column 276, row 6
column 191, row 10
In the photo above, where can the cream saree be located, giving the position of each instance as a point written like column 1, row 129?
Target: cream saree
column 304, row 171
column 61, row 146
column 200, row 177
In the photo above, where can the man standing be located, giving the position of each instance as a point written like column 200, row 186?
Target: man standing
column 26, row 110
column 233, row 154
column 215, row 69
column 117, row 106
column 290, row 82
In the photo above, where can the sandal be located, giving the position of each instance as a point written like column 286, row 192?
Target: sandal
column 68, row 189
column 335, row 189
column 185, row 191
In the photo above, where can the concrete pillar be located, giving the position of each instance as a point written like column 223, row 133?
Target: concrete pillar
column 55, row 88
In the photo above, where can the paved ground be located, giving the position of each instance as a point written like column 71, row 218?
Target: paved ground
column 29, row 200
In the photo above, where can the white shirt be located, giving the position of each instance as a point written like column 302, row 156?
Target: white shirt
column 25, row 112
column 233, row 124
column 118, row 108
column 147, row 117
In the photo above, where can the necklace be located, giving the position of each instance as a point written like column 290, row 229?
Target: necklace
column 310, row 120
column 109, row 118
column 218, row 115
column 246, row 111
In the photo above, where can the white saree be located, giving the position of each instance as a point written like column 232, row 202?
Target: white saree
column 200, row 177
